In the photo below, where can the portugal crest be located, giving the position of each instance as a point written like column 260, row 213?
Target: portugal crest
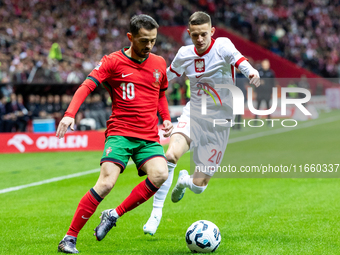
column 157, row 75
column 199, row 65
column 108, row 150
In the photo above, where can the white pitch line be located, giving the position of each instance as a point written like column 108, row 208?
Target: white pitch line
column 233, row 140
column 55, row 179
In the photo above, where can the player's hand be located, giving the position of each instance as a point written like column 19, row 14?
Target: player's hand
column 255, row 78
column 167, row 128
column 63, row 125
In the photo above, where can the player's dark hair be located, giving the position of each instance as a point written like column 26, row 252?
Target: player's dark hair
column 199, row 18
column 142, row 21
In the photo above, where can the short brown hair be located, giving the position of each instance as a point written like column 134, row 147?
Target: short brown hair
column 142, row 21
column 199, row 18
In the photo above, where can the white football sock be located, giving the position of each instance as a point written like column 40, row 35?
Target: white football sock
column 187, row 183
column 159, row 197
column 197, row 189
column 114, row 213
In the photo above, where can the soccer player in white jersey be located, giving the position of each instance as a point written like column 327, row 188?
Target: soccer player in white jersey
column 206, row 63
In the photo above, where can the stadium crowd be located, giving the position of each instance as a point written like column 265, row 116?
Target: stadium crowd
column 43, row 41
column 306, row 32
column 16, row 115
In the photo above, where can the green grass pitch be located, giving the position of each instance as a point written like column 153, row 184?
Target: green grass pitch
column 254, row 215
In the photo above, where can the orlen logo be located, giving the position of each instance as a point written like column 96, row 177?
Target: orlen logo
column 17, row 141
column 49, row 142
column 68, row 142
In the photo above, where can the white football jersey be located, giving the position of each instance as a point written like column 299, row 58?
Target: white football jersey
column 215, row 66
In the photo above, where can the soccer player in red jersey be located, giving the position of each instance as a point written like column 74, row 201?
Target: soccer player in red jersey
column 136, row 80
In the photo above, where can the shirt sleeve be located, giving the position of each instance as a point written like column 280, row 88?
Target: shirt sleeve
column 230, row 54
column 176, row 67
column 82, row 92
column 247, row 69
column 163, row 107
column 102, row 71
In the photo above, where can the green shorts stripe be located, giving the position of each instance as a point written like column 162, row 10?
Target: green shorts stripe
column 147, row 159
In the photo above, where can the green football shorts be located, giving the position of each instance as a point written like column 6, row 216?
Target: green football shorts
column 119, row 149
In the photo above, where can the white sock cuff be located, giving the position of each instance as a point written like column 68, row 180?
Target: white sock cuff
column 198, row 189
column 171, row 166
column 114, row 213
column 157, row 211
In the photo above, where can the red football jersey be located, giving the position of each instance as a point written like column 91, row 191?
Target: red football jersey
column 134, row 88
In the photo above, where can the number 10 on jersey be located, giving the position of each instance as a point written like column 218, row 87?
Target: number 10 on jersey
column 128, row 90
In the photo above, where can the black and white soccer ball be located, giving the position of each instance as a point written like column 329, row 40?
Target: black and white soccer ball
column 203, row 236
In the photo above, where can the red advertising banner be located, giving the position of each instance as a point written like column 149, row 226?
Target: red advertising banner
column 42, row 142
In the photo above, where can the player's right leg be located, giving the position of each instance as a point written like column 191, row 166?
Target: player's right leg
column 88, row 204
column 203, row 155
column 179, row 144
column 150, row 159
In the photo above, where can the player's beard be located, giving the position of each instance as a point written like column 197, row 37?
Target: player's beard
column 141, row 53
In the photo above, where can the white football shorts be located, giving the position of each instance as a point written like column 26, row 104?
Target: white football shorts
column 208, row 143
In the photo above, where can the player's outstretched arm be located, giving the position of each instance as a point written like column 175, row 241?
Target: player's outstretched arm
column 167, row 128
column 79, row 97
column 254, row 78
column 63, row 126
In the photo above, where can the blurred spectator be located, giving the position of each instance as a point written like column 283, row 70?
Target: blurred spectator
column 187, row 90
column 241, row 82
column 292, row 84
column 65, row 101
column 303, row 83
column 43, row 107
column 57, row 112
column 16, row 115
column 175, row 93
column 319, row 89
column 3, row 101
column 264, row 92
column 32, row 107
column 50, row 105
column 96, row 112
column 22, row 115
column 108, row 104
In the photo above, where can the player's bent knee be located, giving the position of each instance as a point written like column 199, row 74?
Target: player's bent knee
column 103, row 187
column 158, row 177
column 171, row 157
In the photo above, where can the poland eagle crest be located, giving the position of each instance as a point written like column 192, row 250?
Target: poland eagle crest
column 199, row 65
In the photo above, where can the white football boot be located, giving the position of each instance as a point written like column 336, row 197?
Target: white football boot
column 179, row 190
column 151, row 226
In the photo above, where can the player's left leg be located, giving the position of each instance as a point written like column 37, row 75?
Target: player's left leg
column 268, row 107
column 150, row 160
column 197, row 183
column 179, row 144
column 207, row 155
column 109, row 173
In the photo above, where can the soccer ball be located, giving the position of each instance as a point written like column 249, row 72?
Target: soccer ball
column 203, row 236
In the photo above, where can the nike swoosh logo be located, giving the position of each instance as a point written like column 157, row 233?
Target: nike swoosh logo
column 84, row 217
column 124, row 75
column 198, row 76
